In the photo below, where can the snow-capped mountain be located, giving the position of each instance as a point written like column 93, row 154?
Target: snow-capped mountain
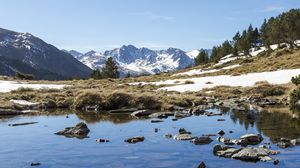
column 139, row 61
column 25, row 53
column 194, row 53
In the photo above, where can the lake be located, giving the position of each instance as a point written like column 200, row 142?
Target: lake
column 22, row 145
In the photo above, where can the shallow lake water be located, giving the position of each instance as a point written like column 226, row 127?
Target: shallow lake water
column 21, row 145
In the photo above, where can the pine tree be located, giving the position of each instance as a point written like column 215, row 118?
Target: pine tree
column 202, row 58
column 96, row 74
column 110, row 70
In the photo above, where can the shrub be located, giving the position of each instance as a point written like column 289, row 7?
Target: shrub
column 87, row 98
column 294, row 97
column 147, row 102
column 266, row 89
column 296, row 80
column 188, row 82
column 24, row 76
column 118, row 100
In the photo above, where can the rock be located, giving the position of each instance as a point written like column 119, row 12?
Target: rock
column 35, row 164
column 183, row 137
column 134, row 140
column 251, row 139
column 201, row 140
column 198, row 112
column 295, row 142
column 276, row 162
column 227, row 141
column 19, row 124
column 102, row 140
column 91, row 108
column 202, row 165
column 285, row 143
column 174, row 119
column 156, row 130
column 161, row 115
column 168, row 136
column 221, row 120
column 156, row 121
column 10, row 112
column 141, row 113
column 210, row 114
column 183, row 131
column 221, row 133
column 181, row 114
column 254, row 154
column 224, row 151
column 230, row 132
column 80, row 131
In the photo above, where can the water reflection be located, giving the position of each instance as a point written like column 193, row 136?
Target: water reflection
column 104, row 117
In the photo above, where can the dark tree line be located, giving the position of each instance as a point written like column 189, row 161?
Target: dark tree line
column 285, row 28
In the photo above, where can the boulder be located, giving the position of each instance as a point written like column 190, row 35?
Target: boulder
column 183, row 137
column 251, row 139
column 224, row 151
column 168, row 136
column 204, row 140
column 80, row 131
column 134, row 140
column 254, row 154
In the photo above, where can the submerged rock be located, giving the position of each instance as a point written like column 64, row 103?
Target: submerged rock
column 202, row 165
column 168, row 136
column 285, row 143
column 35, row 164
column 79, row 131
column 134, row 140
column 201, row 140
column 20, row 124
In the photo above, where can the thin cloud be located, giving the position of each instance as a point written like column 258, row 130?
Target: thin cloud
column 274, row 8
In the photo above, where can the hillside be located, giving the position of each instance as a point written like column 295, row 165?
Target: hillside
column 37, row 57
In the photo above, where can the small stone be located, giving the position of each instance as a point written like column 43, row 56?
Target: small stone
column 168, row 136
column 221, row 133
column 156, row 130
column 221, row 120
column 135, row 140
column 276, row 162
column 156, row 121
column 102, row 140
column 230, row 132
column 174, row 119
column 202, row 165
column 183, row 137
column 35, row 164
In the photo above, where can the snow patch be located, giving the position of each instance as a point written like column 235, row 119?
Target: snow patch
column 273, row 77
column 204, row 71
column 7, row 86
column 24, row 103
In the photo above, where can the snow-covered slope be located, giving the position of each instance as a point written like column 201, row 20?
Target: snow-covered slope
column 274, row 77
column 138, row 61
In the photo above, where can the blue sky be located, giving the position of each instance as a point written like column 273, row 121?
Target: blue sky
column 98, row 25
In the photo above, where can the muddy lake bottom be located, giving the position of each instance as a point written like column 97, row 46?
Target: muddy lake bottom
column 22, row 145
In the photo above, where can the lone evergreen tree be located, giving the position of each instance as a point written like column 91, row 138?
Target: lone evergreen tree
column 110, row 70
